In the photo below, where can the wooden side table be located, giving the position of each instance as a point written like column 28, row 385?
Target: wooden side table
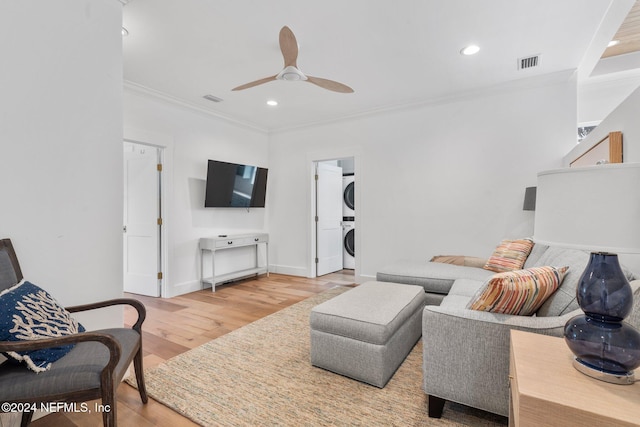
column 546, row 390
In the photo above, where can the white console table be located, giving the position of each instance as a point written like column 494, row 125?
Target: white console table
column 213, row 244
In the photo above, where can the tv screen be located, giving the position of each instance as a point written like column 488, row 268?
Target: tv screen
column 232, row 185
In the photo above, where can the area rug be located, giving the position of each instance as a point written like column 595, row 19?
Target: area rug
column 260, row 375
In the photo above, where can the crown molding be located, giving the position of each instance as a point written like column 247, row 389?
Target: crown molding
column 152, row 93
column 492, row 90
column 506, row 87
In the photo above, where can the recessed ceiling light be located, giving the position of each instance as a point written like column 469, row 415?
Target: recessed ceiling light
column 272, row 103
column 470, row 50
column 125, row 32
column 613, row 43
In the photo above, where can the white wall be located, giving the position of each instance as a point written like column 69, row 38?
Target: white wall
column 610, row 82
column 599, row 96
column 191, row 138
column 447, row 178
column 624, row 118
column 60, row 147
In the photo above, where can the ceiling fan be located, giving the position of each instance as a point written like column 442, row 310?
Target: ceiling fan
column 291, row 72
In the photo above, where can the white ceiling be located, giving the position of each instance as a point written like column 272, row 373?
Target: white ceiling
column 391, row 53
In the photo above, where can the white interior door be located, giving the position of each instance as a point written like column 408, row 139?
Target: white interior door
column 328, row 218
column 141, row 226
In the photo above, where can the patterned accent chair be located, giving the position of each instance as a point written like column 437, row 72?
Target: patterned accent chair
column 93, row 368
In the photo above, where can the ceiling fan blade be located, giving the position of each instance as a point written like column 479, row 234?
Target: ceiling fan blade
column 256, row 83
column 288, row 47
column 329, row 84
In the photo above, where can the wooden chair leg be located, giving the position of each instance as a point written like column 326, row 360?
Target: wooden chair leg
column 109, row 418
column 436, row 406
column 109, row 412
column 137, row 366
column 26, row 418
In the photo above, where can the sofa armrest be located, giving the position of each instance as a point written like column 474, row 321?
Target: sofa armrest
column 466, row 353
column 434, row 277
column 497, row 320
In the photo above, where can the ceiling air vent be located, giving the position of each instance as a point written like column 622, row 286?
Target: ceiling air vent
column 212, row 98
column 528, row 62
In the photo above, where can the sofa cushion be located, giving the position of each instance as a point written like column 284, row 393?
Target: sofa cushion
column 563, row 300
column 461, row 292
column 466, row 287
column 536, row 252
column 519, row 292
column 434, row 277
column 509, row 255
column 634, row 317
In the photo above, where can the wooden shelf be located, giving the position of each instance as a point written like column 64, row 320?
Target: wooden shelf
column 235, row 275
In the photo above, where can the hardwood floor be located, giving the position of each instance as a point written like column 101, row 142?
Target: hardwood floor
column 176, row 325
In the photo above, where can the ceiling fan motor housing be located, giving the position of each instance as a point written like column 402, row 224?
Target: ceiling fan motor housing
column 291, row 73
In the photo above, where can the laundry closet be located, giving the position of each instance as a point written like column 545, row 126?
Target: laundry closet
column 335, row 216
column 348, row 213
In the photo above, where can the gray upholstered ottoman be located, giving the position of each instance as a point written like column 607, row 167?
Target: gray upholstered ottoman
column 368, row 331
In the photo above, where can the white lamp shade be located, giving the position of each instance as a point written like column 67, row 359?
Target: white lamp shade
column 595, row 208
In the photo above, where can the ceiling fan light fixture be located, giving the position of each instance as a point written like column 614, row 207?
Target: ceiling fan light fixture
column 470, row 50
column 290, row 76
column 291, row 73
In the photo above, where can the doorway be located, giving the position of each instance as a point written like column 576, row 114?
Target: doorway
column 142, row 219
column 334, row 216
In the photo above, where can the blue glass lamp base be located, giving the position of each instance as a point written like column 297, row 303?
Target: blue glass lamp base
column 605, row 347
column 628, row 378
column 608, row 351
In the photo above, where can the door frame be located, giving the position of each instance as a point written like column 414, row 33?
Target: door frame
column 312, row 159
column 162, row 229
column 316, row 259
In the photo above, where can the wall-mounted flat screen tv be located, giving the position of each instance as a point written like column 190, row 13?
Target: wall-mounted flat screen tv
column 233, row 185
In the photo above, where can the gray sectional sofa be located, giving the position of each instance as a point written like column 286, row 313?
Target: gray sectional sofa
column 466, row 352
column 436, row 278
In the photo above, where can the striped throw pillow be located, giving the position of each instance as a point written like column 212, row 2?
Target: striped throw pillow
column 509, row 255
column 520, row 292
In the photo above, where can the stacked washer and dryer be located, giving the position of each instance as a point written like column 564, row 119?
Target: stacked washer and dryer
column 348, row 221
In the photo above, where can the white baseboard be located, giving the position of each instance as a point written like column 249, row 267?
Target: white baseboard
column 288, row 270
column 183, row 288
column 195, row 285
